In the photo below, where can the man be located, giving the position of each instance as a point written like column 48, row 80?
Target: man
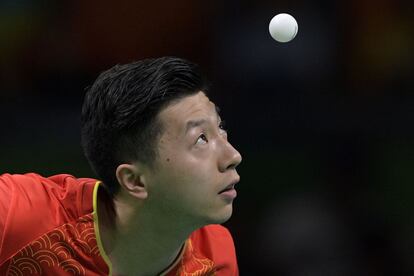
column 168, row 172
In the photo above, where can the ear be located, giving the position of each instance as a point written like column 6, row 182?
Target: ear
column 131, row 178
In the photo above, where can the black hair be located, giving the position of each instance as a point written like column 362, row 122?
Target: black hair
column 119, row 115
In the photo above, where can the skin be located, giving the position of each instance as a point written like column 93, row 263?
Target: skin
column 160, row 205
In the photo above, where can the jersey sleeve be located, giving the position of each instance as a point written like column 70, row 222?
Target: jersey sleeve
column 5, row 198
column 31, row 205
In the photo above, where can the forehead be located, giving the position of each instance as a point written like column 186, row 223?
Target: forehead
column 178, row 113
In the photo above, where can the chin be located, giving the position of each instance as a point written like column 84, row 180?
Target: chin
column 221, row 216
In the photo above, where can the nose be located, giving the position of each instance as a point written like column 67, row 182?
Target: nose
column 230, row 158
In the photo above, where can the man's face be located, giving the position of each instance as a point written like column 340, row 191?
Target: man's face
column 195, row 163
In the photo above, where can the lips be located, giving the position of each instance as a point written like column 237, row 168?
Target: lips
column 229, row 187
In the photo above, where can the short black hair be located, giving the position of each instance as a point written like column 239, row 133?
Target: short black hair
column 119, row 115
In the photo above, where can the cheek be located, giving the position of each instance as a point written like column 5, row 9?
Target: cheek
column 185, row 166
column 186, row 172
column 179, row 169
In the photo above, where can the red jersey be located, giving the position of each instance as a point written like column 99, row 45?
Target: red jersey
column 49, row 226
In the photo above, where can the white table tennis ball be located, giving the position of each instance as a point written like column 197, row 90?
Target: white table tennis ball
column 283, row 27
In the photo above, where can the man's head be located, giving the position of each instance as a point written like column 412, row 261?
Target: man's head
column 149, row 128
column 119, row 114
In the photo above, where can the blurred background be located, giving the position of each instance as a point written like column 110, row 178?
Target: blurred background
column 324, row 123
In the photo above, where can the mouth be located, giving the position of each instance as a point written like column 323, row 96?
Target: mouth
column 229, row 187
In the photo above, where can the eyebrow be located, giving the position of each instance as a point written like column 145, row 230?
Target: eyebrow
column 218, row 112
column 196, row 123
column 217, row 109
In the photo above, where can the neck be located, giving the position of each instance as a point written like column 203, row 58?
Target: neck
column 139, row 239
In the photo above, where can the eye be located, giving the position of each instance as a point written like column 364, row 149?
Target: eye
column 202, row 139
column 222, row 127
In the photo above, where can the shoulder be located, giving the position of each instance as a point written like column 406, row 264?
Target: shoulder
column 216, row 233
column 216, row 243
column 33, row 181
column 212, row 238
column 33, row 191
column 35, row 205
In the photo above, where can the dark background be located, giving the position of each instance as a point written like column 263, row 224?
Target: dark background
column 324, row 123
